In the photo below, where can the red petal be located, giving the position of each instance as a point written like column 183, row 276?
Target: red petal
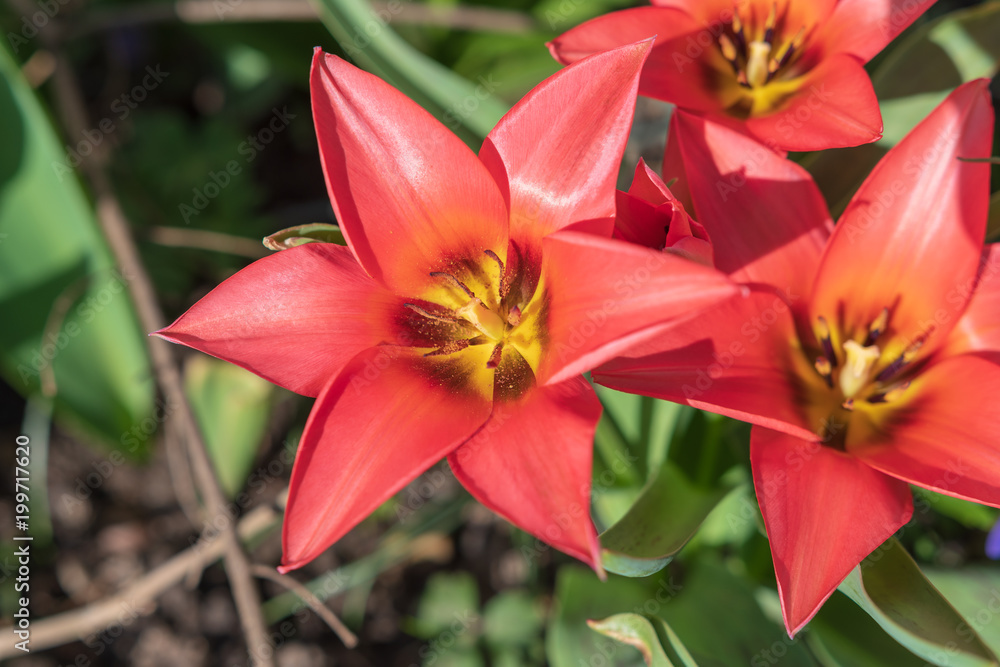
column 407, row 192
column 375, row 427
column 946, row 437
column 294, row 318
column 679, row 69
column 914, row 231
column 835, row 107
column 556, row 153
column 979, row 327
column 601, row 291
column 824, row 512
column 862, row 28
column 733, row 359
column 531, row 465
column 737, row 185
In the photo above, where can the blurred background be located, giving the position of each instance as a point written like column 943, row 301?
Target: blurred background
column 188, row 125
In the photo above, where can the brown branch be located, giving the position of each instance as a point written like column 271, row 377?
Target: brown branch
column 116, row 230
column 136, row 599
column 304, row 594
column 206, row 240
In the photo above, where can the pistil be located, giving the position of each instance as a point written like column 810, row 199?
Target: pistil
column 858, row 367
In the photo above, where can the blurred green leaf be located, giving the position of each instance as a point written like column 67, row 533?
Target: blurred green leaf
column 511, row 619
column 450, row 600
column 470, row 109
column 892, row 589
column 232, row 406
column 717, row 616
column 975, row 592
column 662, row 520
column 969, row 514
column 69, row 318
column 638, row 631
column 317, row 232
column 580, row 597
column 842, row 634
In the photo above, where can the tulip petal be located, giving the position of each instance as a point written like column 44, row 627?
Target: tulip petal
column 913, row 234
column 979, row 327
column 531, row 464
column 556, row 154
column 945, row 437
column 408, row 194
column 862, row 28
column 797, row 14
column 373, row 429
column 736, row 185
column 824, row 512
column 834, row 107
column 294, row 318
column 733, row 359
column 601, row 294
column 679, row 69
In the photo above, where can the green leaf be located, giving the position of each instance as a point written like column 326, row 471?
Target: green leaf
column 580, row 597
column 638, row 631
column 69, row 323
column 975, row 592
column 450, row 602
column 232, row 406
column 665, row 516
column 969, row 514
column 366, row 36
column 511, row 619
column 317, row 232
column 892, row 589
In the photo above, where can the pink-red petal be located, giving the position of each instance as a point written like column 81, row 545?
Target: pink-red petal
column 374, row 428
column 679, row 69
column 824, row 512
column 602, row 294
column 913, row 233
column 862, row 28
column 531, row 464
column 795, row 13
column 556, row 153
column 766, row 217
column 409, row 195
column 978, row 329
column 734, row 359
column 945, row 436
column 295, row 318
column 834, row 107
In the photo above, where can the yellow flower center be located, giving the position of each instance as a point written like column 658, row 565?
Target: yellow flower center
column 483, row 321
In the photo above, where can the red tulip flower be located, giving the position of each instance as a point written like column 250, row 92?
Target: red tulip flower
column 866, row 357
column 787, row 72
column 474, row 292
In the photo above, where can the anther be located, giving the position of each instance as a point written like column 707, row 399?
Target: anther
column 431, row 316
column 450, row 348
column 769, row 24
column 908, row 355
column 825, row 369
column 848, row 404
column 728, row 49
column 823, row 336
column 877, row 327
column 504, row 278
column 891, row 394
column 514, row 316
column 495, row 356
column 454, row 281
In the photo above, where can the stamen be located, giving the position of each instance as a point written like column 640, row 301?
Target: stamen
column 858, row 367
column 454, row 282
column 514, row 316
column 451, row 348
column 908, row 355
column 891, row 394
column 848, row 404
column 728, row 49
column 825, row 369
column 769, row 24
column 495, row 357
column 504, row 278
column 741, row 40
column 431, row 316
column 877, row 327
column 823, row 336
